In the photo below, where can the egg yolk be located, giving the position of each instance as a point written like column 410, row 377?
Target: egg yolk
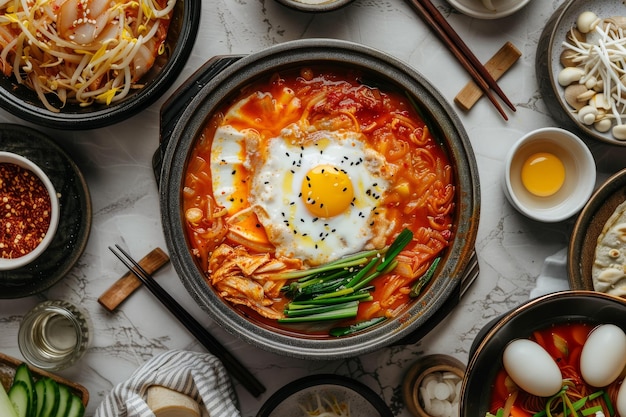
column 327, row 191
column 543, row 174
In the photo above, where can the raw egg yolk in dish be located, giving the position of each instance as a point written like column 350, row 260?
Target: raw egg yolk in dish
column 543, row 174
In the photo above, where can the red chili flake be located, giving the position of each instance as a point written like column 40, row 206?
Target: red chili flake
column 24, row 211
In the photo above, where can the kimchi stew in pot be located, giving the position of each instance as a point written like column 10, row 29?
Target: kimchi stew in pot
column 318, row 203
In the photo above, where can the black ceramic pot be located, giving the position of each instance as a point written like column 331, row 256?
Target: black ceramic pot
column 183, row 119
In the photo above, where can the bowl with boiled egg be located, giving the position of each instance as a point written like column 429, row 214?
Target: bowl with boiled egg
column 319, row 198
column 579, row 69
column 74, row 67
column 562, row 351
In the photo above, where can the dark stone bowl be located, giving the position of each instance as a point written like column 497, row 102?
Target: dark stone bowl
column 183, row 120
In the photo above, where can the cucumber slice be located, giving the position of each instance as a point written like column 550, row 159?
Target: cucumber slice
column 65, row 398
column 22, row 373
column 6, row 406
column 51, row 398
column 77, row 409
column 40, row 394
column 20, row 397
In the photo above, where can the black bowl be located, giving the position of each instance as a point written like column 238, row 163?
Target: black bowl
column 287, row 400
column 24, row 103
column 188, row 125
column 556, row 308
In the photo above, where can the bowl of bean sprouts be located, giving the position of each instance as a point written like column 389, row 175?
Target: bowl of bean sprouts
column 325, row 395
column 85, row 64
column 580, row 64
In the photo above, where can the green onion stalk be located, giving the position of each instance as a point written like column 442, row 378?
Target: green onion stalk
column 334, row 290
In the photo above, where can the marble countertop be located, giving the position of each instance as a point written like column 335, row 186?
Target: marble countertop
column 116, row 162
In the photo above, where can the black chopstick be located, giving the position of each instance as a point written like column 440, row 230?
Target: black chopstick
column 249, row 381
column 435, row 20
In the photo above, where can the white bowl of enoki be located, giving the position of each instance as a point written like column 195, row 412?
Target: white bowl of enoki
column 84, row 64
column 580, row 66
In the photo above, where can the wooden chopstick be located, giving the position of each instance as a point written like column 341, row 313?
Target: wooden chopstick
column 435, row 20
column 249, row 381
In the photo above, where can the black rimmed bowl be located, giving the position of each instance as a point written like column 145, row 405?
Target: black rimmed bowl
column 75, row 213
column 588, row 228
column 359, row 398
column 542, row 312
column 24, row 103
column 183, row 123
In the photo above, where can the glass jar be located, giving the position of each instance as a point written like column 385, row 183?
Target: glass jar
column 54, row 335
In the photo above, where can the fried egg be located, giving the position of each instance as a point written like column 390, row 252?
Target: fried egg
column 317, row 194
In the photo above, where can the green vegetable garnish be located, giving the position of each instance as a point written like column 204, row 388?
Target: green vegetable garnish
column 333, row 291
column 424, row 279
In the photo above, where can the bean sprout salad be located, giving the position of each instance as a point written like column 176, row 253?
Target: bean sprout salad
column 81, row 51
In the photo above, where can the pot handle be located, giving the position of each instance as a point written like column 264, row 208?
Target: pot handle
column 178, row 102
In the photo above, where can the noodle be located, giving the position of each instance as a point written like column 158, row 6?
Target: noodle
column 82, row 51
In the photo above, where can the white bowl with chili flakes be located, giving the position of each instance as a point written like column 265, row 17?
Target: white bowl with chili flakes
column 29, row 211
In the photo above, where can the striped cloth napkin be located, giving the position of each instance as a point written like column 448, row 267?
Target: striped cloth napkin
column 198, row 375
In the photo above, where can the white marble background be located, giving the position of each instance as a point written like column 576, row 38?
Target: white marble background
column 116, row 162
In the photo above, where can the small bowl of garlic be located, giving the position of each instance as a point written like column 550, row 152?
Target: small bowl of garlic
column 432, row 386
column 577, row 64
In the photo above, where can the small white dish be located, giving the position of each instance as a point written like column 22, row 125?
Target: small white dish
column 476, row 8
column 18, row 262
column 579, row 175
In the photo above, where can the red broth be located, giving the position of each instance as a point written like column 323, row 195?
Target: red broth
column 564, row 343
column 423, row 199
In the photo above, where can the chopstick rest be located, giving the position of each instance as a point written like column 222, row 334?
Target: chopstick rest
column 128, row 283
column 446, row 33
column 497, row 66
